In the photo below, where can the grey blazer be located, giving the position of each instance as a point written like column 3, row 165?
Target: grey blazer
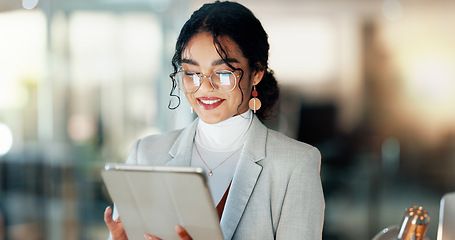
column 276, row 192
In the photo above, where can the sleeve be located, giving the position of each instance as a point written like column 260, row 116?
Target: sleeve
column 302, row 213
column 132, row 155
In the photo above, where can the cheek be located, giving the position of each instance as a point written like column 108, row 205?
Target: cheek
column 190, row 98
column 246, row 90
column 236, row 95
column 240, row 97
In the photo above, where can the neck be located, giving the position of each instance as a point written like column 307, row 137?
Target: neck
column 227, row 135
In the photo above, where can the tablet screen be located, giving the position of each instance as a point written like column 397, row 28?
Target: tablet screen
column 153, row 200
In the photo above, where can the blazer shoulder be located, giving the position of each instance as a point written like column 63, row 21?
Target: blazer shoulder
column 153, row 149
column 292, row 150
column 160, row 139
column 287, row 143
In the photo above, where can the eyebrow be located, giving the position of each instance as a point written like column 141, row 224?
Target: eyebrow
column 214, row 63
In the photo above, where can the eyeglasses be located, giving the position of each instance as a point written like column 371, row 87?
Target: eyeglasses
column 221, row 80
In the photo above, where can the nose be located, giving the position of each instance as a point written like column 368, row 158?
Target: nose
column 206, row 84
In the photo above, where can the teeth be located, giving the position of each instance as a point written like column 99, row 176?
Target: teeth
column 209, row 101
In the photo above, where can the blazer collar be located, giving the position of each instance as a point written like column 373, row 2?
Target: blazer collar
column 254, row 148
column 182, row 148
column 245, row 176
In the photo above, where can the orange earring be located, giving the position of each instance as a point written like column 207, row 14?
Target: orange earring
column 255, row 103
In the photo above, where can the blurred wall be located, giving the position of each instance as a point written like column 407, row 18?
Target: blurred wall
column 370, row 83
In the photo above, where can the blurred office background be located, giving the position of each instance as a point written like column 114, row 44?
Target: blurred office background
column 370, row 83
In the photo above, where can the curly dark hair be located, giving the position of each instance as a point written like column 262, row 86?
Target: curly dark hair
column 233, row 20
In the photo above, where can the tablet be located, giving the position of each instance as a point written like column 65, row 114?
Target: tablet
column 154, row 200
column 446, row 231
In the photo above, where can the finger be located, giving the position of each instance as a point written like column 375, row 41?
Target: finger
column 108, row 216
column 151, row 237
column 115, row 226
column 183, row 234
column 110, row 222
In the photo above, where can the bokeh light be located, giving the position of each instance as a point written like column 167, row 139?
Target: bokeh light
column 6, row 139
column 81, row 128
column 29, row 4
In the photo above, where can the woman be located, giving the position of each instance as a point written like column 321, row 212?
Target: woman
column 264, row 184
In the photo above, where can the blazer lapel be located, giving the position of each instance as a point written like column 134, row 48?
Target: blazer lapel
column 245, row 178
column 183, row 146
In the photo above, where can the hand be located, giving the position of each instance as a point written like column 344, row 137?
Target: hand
column 115, row 226
column 183, row 234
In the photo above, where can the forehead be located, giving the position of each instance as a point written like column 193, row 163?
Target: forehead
column 201, row 46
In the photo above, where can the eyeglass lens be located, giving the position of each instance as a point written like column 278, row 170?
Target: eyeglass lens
column 223, row 81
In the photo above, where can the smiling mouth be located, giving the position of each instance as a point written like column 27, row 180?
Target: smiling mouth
column 209, row 103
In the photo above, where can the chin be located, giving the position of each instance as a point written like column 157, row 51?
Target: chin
column 212, row 119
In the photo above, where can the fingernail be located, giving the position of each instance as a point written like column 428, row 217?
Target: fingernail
column 146, row 236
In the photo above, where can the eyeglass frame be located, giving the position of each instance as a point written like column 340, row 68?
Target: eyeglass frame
column 239, row 77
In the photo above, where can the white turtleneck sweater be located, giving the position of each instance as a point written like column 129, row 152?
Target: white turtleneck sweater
column 220, row 146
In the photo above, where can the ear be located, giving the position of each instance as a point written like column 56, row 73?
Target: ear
column 257, row 76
